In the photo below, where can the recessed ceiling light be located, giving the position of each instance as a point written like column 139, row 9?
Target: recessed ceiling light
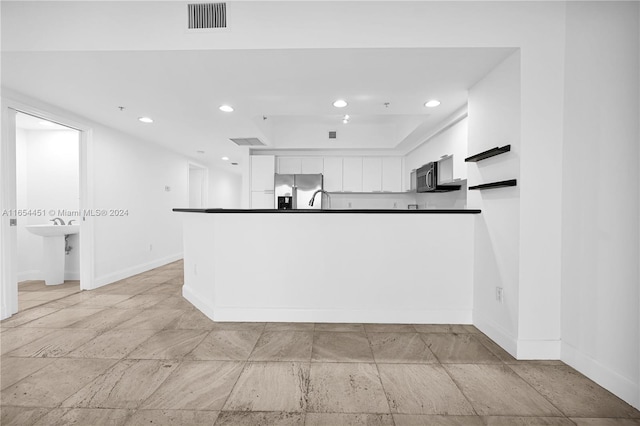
column 345, row 121
column 340, row 103
column 225, row 158
column 234, row 164
column 432, row 103
column 145, row 119
column 226, row 108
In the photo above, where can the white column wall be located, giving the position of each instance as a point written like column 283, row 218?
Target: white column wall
column 600, row 209
column 494, row 120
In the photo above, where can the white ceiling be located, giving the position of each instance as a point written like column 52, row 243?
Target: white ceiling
column 292, row 88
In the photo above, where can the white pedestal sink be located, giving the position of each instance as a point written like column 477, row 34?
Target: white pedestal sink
column 53, row 249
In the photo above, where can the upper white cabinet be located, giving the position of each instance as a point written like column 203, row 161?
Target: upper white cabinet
column 312, row 165
column 371, row 174
column 352, row 174
column 392, row 174
column 297, row 165
column 332, row 174
column 289, row 165
column 262, row 171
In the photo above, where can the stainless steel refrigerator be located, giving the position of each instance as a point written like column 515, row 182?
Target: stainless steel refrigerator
column 295, row 191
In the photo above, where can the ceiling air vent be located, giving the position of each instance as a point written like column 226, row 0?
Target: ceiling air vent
column 207, row 15
column 247, row 141
column 333, row 135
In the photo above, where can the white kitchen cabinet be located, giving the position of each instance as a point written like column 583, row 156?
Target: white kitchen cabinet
column 290, row 165
column 352, row 174
column 392, row 174
column 371, row 174
column 262, row 200
column 312, row 165
column 332, row 174
column 262, row 171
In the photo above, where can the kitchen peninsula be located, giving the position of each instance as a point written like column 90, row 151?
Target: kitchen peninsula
column 382, row 266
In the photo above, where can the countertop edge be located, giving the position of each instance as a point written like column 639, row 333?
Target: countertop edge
column 349, row 211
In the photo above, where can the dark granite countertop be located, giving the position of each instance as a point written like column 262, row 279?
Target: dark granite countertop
column 330, row 211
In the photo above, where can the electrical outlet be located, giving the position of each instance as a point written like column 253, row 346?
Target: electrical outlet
column 150, row 247
column 499, row 295
column 395, row 205
column 195, row 269
column 349, row 204
column 167, row 188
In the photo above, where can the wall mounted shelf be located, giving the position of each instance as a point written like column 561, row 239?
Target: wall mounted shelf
column 501, row 184
column 489, row 153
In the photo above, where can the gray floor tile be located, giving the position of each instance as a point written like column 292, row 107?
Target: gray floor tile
column 126, row 385
column 191, row 319
column 258, row 418
column 283, row 346
column 605, row 422
column 151, row 319
column 140, row 301
column 458, row 348
column 400, row 348
column 500, row 353
column 572, row 393
column 196, row 385
column 168, row 344
column 424, row 420
column 389, row 328
column 21, row 416
column 270, row 386
column 49, row 386
column 495, row 390
column 346, row 388
column 422, row 389
column 527, row 421
column 172, row 418
column 443, row 328
column 341, row 347
column 226, row 345
column 27, row 316
column 289, row 326
column 12, row 338
column 55, row 344
column 244, row 326
column 62, row 318
column 106, row 319
column 326, row 419
column 84, row 416
column 339, row 327
column 112, row 344
column 16, row 369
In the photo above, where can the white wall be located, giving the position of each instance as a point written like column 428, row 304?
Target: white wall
column 494, row 120
column 600, row 208
column 196, row 187
column 225, row 189
column 47, row 172
column 131, row 175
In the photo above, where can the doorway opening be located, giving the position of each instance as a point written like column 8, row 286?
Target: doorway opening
column 197, row 186
column 48, row 210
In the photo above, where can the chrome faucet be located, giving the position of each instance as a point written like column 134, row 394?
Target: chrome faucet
column 322, row 191
column 55, row 221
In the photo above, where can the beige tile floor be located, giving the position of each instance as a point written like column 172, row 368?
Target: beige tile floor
column 135, row 353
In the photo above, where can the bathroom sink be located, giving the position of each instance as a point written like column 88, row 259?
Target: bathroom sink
column 53, row 230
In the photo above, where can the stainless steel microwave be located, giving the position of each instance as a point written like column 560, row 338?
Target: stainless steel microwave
column 427, row 179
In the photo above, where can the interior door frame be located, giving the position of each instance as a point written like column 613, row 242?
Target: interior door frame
column 8, row 198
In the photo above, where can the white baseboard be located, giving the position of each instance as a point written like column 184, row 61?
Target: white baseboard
column 538, row 349
column 133, row 270
column 72, row 275
column 603, row 375
column 496, row 333
column 257, row 314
